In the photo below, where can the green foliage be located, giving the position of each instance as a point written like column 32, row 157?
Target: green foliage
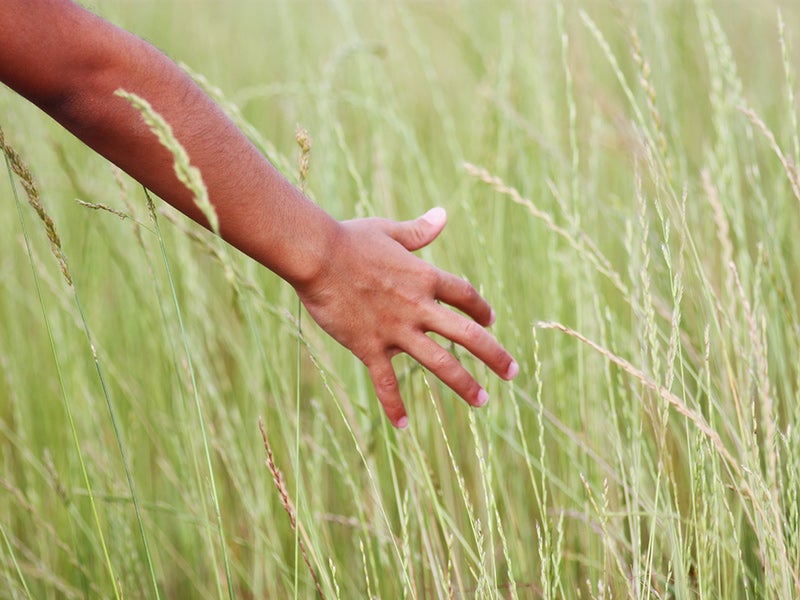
column 621, row 180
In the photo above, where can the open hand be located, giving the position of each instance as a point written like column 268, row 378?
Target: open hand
column 378, row 299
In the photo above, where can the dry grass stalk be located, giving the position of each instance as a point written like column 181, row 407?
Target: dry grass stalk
column 769, row 513
column 42, row 524
column 761, row 376
column 99, row 206
column 723, row 227
column 650, row 91
column 788, row 166
column 679, row 405
column 787, row 69
column 32, row 192
column 451, row 593
column 304, row 141
column 609, row 541
column 288, row 505
column 583, row 245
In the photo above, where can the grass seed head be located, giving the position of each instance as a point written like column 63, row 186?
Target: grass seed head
column 25, row 177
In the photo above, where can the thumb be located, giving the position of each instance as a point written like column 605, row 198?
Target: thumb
column 420, row 232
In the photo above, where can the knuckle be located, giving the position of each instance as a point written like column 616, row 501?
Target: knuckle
column 417, row 232
column 473, row 333
column 441, row 360
column 468, row 291
column 369, row 354
column 386, row 384
column 429, row 278
column 376, row 223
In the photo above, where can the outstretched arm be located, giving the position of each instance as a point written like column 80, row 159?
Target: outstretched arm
column 358, row 279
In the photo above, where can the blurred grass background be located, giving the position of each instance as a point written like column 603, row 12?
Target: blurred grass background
column 651, row 149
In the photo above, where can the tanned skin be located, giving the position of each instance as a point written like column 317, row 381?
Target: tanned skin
column 358, row 279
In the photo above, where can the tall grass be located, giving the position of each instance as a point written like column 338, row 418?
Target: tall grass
column 622, row 185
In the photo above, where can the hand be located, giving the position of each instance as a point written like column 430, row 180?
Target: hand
column 377, row 299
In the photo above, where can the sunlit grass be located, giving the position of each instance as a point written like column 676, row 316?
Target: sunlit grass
column 621, row 184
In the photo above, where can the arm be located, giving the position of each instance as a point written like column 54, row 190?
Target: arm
column 70, row 62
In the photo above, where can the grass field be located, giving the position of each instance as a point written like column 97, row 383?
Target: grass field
column 622, row 186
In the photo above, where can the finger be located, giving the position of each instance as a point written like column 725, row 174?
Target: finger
column 477, row 340
column 445, row 366
column 460, row 293
column 387, row 389
column 419, row 232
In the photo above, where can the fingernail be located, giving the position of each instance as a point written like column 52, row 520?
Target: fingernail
column 513, row 369
column 402, row 423
column 435, row 216
column 482, row 398
column 492, row 317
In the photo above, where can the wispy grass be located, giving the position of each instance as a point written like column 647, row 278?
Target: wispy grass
column 622, row 185
column 14, row 163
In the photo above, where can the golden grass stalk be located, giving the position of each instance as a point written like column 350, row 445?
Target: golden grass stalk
column 787, row 69
column 767, row 510
column 21, row 170
column 304, row 141
column 677, row 403
column 761, row 376
column 788, row 166
column 333, row 577
column 288, row 505
column 723, row 227
column 582, row 244
column 99, row 206
column 647, row 84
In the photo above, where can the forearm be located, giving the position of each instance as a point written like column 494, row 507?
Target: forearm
column 358, row 279
column 259, row 211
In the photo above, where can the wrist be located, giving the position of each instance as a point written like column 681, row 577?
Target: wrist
column 316, row 244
